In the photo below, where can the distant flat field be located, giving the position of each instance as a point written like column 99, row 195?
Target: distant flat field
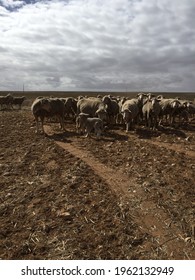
column 32, row 94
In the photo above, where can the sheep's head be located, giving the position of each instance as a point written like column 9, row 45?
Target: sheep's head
column 140, row 96
column 102, row 114
column 106, row 99
column 175, row 104
column 45, row 104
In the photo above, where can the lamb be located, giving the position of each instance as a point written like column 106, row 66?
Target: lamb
column 87, row 124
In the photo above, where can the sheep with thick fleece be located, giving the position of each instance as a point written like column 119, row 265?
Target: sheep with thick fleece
column 48, row 107
column 151, row 110
column 18, row 101
column 130, row 111
column 92, row 106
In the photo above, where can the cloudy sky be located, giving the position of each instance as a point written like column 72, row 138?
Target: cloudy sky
column 100, row 45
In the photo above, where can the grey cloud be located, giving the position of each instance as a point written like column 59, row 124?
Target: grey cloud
column 115, row 45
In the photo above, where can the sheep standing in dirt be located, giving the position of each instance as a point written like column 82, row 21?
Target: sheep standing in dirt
column 6, row 101
column 17, row 101
column 112, row 108
column 151, row 110
column 130, row 111
column 70, row 107
column 48, row 107
column 87, row 124
column 94, row 107
column 169, row 107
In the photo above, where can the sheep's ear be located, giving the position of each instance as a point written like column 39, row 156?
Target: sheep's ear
column 140, row 93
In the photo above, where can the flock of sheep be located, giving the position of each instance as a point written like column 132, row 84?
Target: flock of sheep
column 8, row 101
column 92, row 113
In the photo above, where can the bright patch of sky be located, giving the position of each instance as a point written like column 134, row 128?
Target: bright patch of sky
column 129, row 45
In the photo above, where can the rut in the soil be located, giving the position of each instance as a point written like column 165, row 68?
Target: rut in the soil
column 178, row 148
column 148, row 216
column 174, row 147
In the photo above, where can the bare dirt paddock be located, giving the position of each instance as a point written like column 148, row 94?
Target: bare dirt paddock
column 125, row 196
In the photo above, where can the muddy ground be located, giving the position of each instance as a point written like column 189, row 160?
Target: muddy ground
column 125, row 196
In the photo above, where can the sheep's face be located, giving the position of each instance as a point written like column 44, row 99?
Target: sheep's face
column 188, row 104
column 98, row 127
column 175, row 104
column 141, row 96
column 106, row 100
column 45, row 105
column 102, row 114
column 154, row 102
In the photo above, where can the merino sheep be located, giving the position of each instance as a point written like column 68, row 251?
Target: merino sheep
column 151, row 110
column 18, row 101
column 142, row 97
column 112, row 108
column 169, row 108
column 130, row 111
column 191, row 109
column 70, row 107
column 94, row 107
column 48, row 107
column 87, row 124
column 6, row 101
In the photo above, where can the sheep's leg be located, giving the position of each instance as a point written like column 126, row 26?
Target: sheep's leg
column 87, row 130
column 37, row 124
column 149, row 122
column 83, row 130
column 155, row 123
column 160, row 120
column 77, row 124
column 42, row 120
column 62, row 123
column 146, row 122
column 128, row 125
column 173, row 119
column 98, row 132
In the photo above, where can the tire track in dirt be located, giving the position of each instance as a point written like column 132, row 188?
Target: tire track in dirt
column 178, row 148
column 150, row 218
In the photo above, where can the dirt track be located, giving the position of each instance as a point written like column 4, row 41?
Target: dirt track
column 122, row 197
